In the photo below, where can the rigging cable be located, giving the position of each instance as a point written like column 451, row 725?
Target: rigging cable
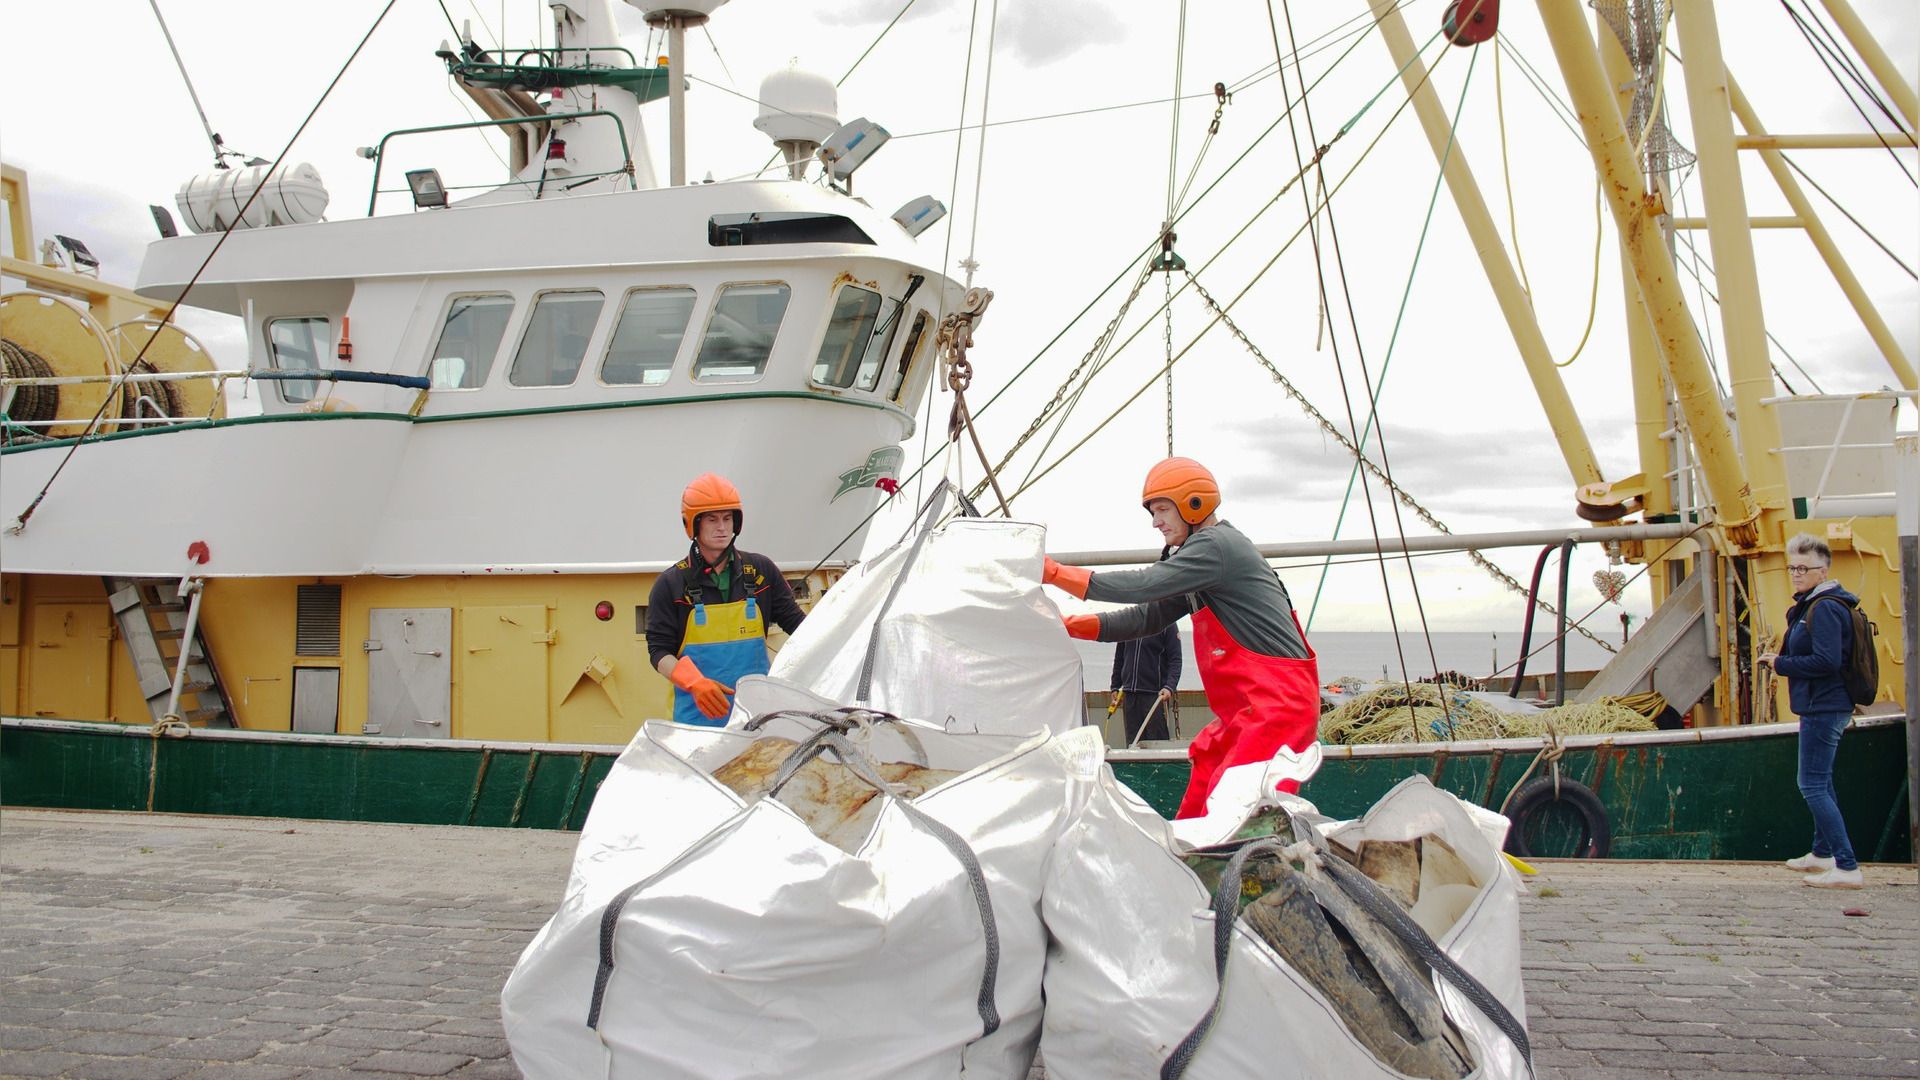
column 1339, row 366
column 927, row 459
column 1221, row 311
column 1711, row 295
column 1857, row 223
column 946, row 249
column 980, row 151
column 1406, row 294
column 1821, row 54
column 1105, row 359
column 19, row 523
column 1192, row 278
column 1859, row 77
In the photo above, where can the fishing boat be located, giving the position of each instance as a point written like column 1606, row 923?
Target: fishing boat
column 404, row 591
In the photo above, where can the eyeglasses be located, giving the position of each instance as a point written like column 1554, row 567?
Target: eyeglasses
column 1803, row 569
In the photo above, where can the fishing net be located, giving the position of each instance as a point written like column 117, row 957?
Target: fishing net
column 1640, row 26
column 1429, row 713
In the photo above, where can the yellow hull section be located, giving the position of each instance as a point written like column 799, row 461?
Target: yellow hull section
column 530, row 659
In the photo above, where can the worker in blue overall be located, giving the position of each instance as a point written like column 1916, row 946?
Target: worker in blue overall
column 708, row 613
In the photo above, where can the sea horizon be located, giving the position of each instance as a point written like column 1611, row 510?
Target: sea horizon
column 1371, row 654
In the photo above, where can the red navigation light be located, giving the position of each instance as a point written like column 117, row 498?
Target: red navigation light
column 556, row 149
column 603, row 610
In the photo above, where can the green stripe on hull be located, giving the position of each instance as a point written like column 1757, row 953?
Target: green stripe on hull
column 1715, row 798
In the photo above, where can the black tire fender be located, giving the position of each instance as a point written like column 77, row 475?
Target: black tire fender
column 1541, row 792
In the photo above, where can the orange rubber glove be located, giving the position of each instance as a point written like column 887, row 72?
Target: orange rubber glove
column 1069, row 579
column 1084, row 627
column 708, row 696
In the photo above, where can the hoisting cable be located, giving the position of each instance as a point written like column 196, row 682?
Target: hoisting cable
column 1166, row 258
column 980, row 166
column 19, row 523
column 1393, row 339
column 946, row 247
column 1270, row 264
column 927, row 459
column 1166, row 226
column 220, row 152
column 1339, row 367
column 1221, row 312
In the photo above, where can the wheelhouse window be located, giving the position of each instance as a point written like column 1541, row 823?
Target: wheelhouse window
column 740, row 332
column 849, row 333
column 907, row 355
column 647, row 338
column 297, row 345
column 469, row 340
column 555, row 341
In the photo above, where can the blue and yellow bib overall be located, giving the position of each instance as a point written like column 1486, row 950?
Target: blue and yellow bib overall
column 726, row 641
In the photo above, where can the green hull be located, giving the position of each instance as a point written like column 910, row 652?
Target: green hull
column 1720, row 794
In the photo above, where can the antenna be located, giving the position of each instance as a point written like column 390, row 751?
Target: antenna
column 220, row 151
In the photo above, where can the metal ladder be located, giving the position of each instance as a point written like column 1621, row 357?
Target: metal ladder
column 152, row 617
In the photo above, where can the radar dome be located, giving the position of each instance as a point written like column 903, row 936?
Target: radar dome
column 798, row 106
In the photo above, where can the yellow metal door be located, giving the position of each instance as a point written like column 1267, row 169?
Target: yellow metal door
column 68, row 664
column 503, row 672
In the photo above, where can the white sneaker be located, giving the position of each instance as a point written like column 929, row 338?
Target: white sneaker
column 1837, row 879
column 1811, row 863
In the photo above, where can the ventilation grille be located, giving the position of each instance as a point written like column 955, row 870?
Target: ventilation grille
column 317, row 623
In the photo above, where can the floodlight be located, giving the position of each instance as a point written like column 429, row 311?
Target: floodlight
column 850, row 146
column 428, row 191
column 920, row 213
column 77, row 254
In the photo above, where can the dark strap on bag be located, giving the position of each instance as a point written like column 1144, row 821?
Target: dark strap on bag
column 861, row 766
column 1373, row 900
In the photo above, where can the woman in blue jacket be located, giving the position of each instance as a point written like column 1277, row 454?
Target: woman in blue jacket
column 1813, row 656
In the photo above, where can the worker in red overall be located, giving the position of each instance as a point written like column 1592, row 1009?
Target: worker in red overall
column 1261, row 677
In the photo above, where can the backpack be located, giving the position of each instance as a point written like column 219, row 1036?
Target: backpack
column 1861, row 666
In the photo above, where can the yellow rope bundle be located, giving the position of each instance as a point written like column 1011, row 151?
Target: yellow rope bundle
column 1387, row 716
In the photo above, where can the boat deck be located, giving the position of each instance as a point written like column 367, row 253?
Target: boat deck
column 153, row 946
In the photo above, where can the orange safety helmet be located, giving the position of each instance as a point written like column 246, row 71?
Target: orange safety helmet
column 1188, row 483
column 707, row 493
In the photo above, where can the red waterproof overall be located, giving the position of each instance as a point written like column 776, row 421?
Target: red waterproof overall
column 1261, row 703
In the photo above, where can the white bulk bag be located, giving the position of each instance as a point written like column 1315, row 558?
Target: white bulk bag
column 1131, row 969
column 967, row 637
column 748, row 947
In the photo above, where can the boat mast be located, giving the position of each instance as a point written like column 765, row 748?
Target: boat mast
column 1626, row 192
column 1743, row 328
column 676, row 20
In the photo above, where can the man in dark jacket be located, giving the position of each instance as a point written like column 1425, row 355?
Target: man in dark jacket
column 1146, row 673
column 1813, row 657
column 707, row 616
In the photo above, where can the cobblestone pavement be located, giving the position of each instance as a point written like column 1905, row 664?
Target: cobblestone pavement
column 155, row 947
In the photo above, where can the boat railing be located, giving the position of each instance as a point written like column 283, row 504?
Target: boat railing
column 1838, row 450
column 379, row 151
column 550, row 70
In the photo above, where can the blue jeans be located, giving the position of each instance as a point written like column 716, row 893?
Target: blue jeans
column 1819, row 742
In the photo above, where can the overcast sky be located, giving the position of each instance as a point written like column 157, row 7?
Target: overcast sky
column 95, row 109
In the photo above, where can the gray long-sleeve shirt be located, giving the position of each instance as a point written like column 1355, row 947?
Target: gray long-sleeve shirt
column 1217, row 568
